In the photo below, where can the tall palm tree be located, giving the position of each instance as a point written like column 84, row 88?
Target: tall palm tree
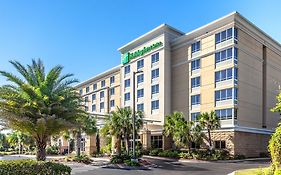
column 210, row 122
column 39, row 103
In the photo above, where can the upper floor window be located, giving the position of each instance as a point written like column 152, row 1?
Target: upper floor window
column 155, row 89
column 155, row 73
column 94, row 108
column 195, row 47
column 226, row 35
column 127, row 96
column 102, row 83
column 195, row 82
column 112, row 80
column 195, row 64
column 101, row 94
column 127, row 69
column 95, row 86
column 112, row 103
column 140, row 64
column 222, row 75
column 86, row 108
column 81, row 91
column 112, row 91
column 195, row 99
column 87, row 89
column 224, row 114
column 140, row 107
column 155, row 58
column 101, row 105
column 194, row 116
column 140, row 78
column 86, row 99
column 127, row 83
column 155, row 104
column 226, row 54
column 140, row 93
column 93, row 97
column 224, row 94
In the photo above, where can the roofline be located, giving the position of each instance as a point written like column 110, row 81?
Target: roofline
column 150, row 32
column 112, row 70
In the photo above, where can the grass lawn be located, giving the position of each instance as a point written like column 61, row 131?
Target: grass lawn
column 249, row 171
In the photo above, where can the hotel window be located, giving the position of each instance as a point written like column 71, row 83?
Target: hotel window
column 93, row 97
column 195, row 47
column 195, row 82
column 195, row 64
column 140, row 64
column 87, row 89
column 226, row 35
column 101, row 105
column 224, row 94
column 81, row 91
column 112, row 91
column 223, row 75
column 223, row 55
column 195, row 99
column 101, row 94
column 194, row 116
column 86, row 99
column 156, row 142
column 86, row 108
column 225, row 114
column 140, row 93
column 112, row 80
column 155, row 89
column 102, row 83
column 95, row 86
column 94, row 108
column 127, row 83
column 220, row 144
column 155, row 104
column 155, row 58
column 140, row 107
column 140, row 78
column 155, row 73
column 127, row 96
column 83, row 144
column 127, row 69
column 112, row 103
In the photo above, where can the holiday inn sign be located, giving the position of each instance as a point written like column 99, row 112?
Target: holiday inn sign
column 127, row 57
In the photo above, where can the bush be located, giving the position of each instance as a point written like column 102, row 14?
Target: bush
column 155, row 152
column 32, row 167
column 80, row 159
column 239, row 157
column 220, row 155
column 185, row 155
column 275, row 147
column 53, row 150
column 169, row 153
column 118, row 159
column 131, row 163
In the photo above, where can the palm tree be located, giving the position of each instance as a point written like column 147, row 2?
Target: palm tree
column 210, row 122
column 119, row 124
column 197, row 134
column 39, row 104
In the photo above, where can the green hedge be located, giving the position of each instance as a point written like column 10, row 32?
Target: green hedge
column 32, row 167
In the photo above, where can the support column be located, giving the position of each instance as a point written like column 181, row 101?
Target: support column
column 146, row 139
column 90, row 147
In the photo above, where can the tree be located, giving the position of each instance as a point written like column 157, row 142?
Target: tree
column 179, row 129
column 39, row 104
column 119, row 124
column 210, row 122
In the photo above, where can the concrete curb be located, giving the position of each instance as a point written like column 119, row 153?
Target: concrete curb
column 233, row 173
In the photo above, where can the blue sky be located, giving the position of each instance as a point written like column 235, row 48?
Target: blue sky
column 83, row 36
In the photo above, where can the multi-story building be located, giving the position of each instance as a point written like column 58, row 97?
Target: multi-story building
column 229, row 66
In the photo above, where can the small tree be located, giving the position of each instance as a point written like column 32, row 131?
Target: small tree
column 209, row 121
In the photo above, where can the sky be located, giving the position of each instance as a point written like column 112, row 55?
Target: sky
column 83, row 36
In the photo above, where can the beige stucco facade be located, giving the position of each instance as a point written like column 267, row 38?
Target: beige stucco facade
column 242, row 102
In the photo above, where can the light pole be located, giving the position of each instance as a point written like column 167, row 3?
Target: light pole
column 134, row 117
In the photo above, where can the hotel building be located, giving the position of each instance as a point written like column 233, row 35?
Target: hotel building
column 229, row 66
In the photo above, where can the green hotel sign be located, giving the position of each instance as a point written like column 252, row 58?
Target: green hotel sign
column 127, row 57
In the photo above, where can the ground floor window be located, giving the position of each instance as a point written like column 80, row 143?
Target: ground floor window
column 157, row 141
column 83, row 144
column 220, row 144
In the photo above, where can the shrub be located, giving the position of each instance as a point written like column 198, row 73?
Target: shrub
column 32, row 167
column 169, row 153
column 155, row 152
column 131, row 163
column 220, row 155
column 52, row 150
column 80, row 159
column 239, row 157
column 275, row 147
column 117, row 159
column 185, row 155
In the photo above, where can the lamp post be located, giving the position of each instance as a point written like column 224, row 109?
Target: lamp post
column 134, row 117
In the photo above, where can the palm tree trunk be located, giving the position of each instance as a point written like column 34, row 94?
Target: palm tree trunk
column 210, row 139
column 78, row 143
column 41, row 149
column 127, row 145
column 118, row 145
